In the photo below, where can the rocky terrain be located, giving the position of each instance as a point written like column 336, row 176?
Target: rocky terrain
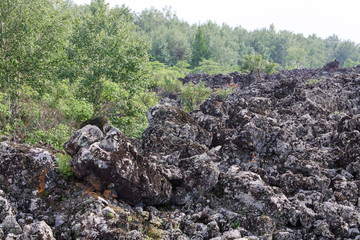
column 279, row 158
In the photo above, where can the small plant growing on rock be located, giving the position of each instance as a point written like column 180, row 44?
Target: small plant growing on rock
column 235, row 225
column 312, row 81
column 110, row 215
column 153, row 230
column 63, row 164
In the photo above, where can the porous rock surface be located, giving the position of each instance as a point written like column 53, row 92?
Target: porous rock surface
column 279, row 158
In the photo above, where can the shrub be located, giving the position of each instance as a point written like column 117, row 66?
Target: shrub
column 192, row 95
column 164, row 79
column 167, row 86
column 63, row 164
column 56, row 136
column 132, row 119
column 211, row 67
column 153, row 229
column 223, row 92
column 256, row 64
column 312, row 81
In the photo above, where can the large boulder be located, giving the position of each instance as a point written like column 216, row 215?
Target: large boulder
column 173, row 130
column 26, row 176
column 112, row 163
column 199, row 176
column 332, row 66
column 254, row 196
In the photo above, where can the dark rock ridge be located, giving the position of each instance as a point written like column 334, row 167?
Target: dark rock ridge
column 279, row 158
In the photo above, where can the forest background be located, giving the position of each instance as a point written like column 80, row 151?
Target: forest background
column 61, row 63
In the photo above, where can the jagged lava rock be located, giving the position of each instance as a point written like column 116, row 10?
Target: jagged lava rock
column 276, row 159
column 113, row 163
column 173, row 130
column 199, row 176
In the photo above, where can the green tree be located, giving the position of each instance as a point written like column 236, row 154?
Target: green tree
column 200, row 50
column 296, row 57
column 211, row 67
column 109, row 64
column 221, row 42
column 104, row 46
column 344, row 51
column 32, row 42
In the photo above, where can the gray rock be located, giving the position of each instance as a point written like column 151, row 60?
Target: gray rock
column 38, row 230
column 114, row 161
column 200, row 175
column 81, row 138
column 170, row 130
column 10, row 225
column 231, row 235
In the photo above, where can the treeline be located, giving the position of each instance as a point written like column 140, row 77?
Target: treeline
column 173, row 40
column 61, row 63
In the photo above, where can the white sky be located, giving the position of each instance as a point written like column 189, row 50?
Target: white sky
column 322, row 17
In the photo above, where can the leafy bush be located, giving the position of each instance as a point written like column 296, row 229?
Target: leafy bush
column 5, row 113
column 47, row 118
column 192, row 95
column 211, row 67
column 169, row 86
column 350, row 63
column 255, row 63
column 272, row 68
column 63, row 164
column 132, row 113
column 4, row 106
column 223, row 92
column 312, row 81
column 164, row 79
column 56, row 136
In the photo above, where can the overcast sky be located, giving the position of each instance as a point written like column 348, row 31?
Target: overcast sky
column 322, row 17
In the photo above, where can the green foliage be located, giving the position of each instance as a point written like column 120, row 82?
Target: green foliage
column 350, row 63
column 46, row 118
column 271, row 68
column 169, row 86
column 63, row 164
column 253, row 63
column 256, row 64
column 110, row 68
column 312, row 81
column 211, row 67
column 345, row 50
column 104, row 46
column 153, row 229
column 200, row 50
column 168, row 36
column 61, row 64
column 235, row 225
column 165, row 79
column 56, row 136
column 192, row 95
column 132, row 120
column 32, row 43
column 223, row 92
column 229, row 46
column 5, row 112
